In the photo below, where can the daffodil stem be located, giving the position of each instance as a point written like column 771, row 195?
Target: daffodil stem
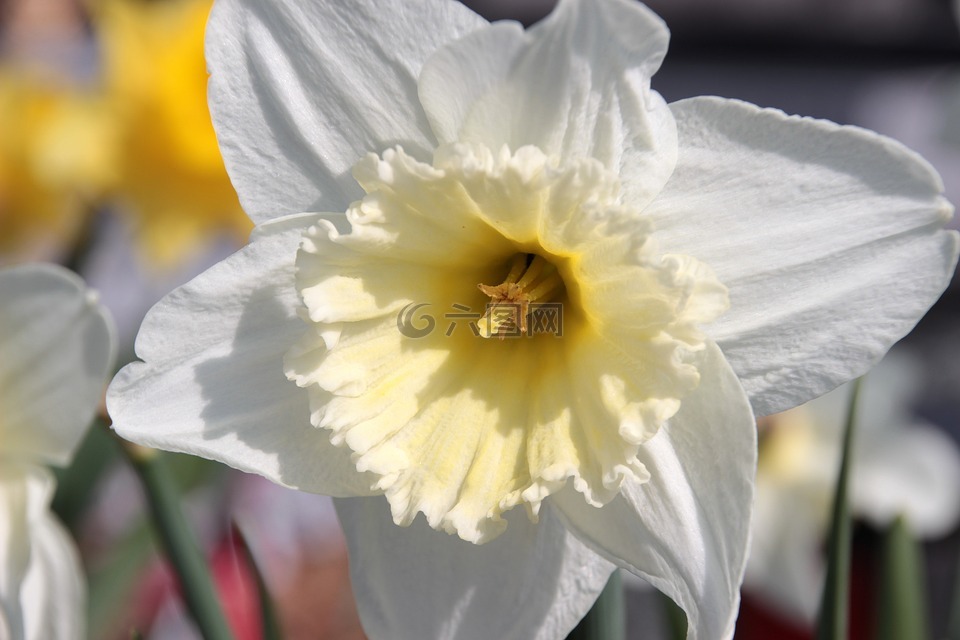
column 181, row 549
column 269, row 623
column 953, row 624
column 832, row 623
column 606, row 620
column 902, row 613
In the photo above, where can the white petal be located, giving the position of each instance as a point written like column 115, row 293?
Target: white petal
column 686, row 530
column 54, row 592
column 914, row 472
column 461, row 72
column 25, row 493
column 829, row 239
column 576, row 84
column 212, row 381
column 57, row 349
column 532, row 583
column 299, row 91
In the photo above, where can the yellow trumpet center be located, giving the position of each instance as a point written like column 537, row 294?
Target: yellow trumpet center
column 463, row 430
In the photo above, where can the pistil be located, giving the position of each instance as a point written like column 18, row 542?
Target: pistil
column 531, row 279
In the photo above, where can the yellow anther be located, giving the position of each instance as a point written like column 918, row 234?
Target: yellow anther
column 510, row 300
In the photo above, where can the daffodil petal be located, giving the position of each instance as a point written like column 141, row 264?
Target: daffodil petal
column 25, row 493
column 461, row 72
column 212, row 383
column 686, row 530
column 53, row 591
column 534, row 582
column 57, row 348
column 398, row 250
column 460, row 445
column 299, row 91
column 912, row 472
column 564, row 87
column 828, row 238
column 901, row 466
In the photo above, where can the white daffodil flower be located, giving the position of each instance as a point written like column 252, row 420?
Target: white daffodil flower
column 707, row 256
column 56, row 351
column 900, row 467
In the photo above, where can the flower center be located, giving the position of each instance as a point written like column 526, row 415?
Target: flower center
column 531, row 279
column 458, row 429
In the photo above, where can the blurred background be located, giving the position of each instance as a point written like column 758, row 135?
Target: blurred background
column 109, row 165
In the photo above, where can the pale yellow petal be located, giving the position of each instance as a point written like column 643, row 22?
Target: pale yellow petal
column 345, row 278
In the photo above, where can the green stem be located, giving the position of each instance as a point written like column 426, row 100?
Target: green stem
column 953, row 625
column 178, row 543
column 606, row 620
column 902, row 613
column 832, row 624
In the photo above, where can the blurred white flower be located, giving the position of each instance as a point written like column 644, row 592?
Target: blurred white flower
column 900, row 467
column 56, row 351
column 540, row 166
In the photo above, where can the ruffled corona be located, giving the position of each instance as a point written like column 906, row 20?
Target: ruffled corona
column 558, row 339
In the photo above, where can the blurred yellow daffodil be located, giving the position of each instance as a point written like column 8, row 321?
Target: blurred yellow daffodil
column 172, row 177
column 55, row 158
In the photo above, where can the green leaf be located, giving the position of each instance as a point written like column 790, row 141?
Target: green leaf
column 111, row 584
column 675, row 617
column 76, row 483
column 606, row 620
column 832, row 623
column 270, row 625
column 178, row 543
column 902, row 613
